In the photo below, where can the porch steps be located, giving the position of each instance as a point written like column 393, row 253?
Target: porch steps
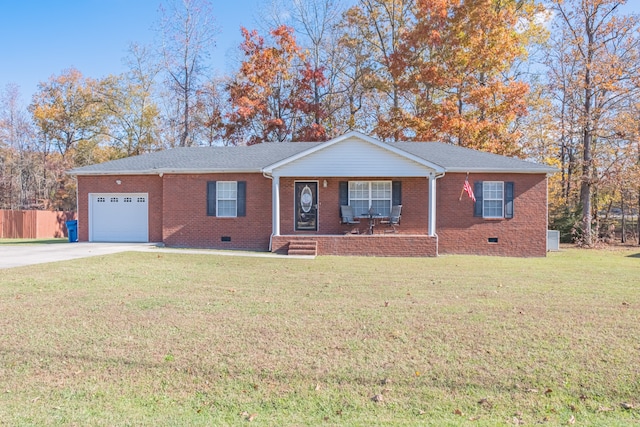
column 303, row 247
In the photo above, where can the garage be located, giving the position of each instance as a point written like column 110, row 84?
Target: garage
column 119, row 217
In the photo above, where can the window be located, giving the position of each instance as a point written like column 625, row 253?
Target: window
column 494, row 199
column 370, row 194
column 493, row 195
column 226, row 198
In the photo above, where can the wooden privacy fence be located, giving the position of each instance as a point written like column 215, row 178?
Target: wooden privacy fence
column 34, row 224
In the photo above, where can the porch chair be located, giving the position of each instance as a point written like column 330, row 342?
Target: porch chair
column 394, row 219
column 346, row 213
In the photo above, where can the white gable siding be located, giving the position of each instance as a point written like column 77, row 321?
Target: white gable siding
column 353, row 158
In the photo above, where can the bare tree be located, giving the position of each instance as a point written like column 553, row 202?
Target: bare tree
column 187, row 29
column 602, row 50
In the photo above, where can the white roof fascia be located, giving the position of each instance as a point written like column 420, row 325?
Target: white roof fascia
column 501, row 170
column 354, row 134
column 164, row 171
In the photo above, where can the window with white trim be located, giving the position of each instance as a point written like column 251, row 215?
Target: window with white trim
column 226, row 198
column 493, row 199
column 365, row 195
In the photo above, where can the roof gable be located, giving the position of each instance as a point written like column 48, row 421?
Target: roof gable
column 351, row 155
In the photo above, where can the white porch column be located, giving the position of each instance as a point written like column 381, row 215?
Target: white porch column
column 432, row 204
column 275, row 199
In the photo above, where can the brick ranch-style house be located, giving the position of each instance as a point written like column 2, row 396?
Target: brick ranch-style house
column 287, row 197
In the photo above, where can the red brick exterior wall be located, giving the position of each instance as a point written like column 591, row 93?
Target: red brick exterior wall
column 415, row 201
column 151, row 184
column 178, row 216
column 186, row 223
column 524, row 235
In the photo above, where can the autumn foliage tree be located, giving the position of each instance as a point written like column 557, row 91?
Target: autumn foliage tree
column 594, row 74
column 272, row 95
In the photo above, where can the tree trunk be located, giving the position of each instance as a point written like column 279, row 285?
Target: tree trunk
column 623, row 238
column 587, row 139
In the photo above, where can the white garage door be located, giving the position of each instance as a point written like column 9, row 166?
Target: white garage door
column 119, row 217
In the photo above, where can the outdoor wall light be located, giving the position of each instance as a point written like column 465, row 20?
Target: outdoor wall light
column 118, row 182
column 324, row 183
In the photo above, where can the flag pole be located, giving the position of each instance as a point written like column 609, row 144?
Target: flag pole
column 462, row 192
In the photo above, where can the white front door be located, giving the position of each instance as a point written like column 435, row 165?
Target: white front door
column 119, row 217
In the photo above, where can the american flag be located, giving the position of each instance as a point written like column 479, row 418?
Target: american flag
column 468, row 189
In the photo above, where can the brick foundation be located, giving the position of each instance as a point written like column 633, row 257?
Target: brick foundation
column 395, row 245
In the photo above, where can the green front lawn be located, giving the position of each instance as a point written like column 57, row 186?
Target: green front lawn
column 151, row 339
column 33, row 241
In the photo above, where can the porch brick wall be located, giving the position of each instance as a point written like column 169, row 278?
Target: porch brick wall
column 186, row 223
column 151, row 184
column 415, row 201
column 460, row 232
column 395, row 245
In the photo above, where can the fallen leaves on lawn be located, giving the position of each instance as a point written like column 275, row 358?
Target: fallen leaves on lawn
column 572, row 420
column 484, row 402
column 378, row 398
column 249, row 417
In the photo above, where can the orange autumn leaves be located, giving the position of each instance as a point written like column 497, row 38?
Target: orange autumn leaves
column 432, row 70
column 272, row 94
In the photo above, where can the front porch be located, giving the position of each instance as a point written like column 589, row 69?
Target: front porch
column 394, row 245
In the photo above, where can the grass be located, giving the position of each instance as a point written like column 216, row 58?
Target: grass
column 177, row 339
column 33, row 241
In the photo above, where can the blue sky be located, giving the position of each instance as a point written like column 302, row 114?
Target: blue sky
column 41, row 38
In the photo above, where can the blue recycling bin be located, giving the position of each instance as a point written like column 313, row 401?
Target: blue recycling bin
column 72, row 230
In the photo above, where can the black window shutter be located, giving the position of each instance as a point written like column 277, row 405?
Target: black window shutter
column 242, row 198
column 211, row 198
column 477, row 191
column 508, row 199
column 343, row 188
column 396, row 193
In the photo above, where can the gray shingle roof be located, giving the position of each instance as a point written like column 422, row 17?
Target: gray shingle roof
column 200, row 159
column 256, row 157
column 459, row 159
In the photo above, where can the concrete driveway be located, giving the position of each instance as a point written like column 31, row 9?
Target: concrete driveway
column 35, row 253
column 40, row 253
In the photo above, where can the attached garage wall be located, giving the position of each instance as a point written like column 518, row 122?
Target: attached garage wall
column 129, row 184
